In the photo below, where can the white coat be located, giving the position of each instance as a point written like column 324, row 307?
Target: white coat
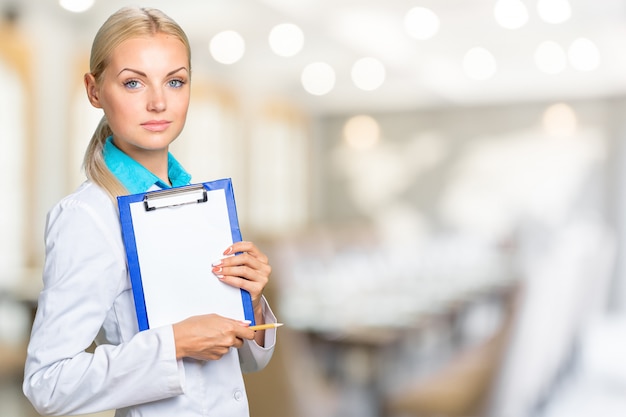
column 87, row 296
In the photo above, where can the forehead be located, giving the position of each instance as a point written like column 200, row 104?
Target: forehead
column 150, row 50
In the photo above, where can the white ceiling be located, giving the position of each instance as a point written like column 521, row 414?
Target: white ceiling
column 419, row 73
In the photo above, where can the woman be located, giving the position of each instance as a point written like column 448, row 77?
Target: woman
column 140, row 72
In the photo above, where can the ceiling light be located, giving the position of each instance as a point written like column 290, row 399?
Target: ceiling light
column 76, row 6
column 318, row 78
column 421, row 23
column 368, row 74
column 227, row 47
column 510, row 14
column 550, row 57
column 286, row 39
column 479, row 64
column 361, row 132
column 554, row 11
column 560, row 120
column 584, row 55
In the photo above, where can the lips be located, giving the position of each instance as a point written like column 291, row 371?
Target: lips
column 156, row 125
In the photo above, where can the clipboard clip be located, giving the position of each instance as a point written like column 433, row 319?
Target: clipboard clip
column 190, row 194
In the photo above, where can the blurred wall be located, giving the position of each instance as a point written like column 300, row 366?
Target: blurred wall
column 406, row 179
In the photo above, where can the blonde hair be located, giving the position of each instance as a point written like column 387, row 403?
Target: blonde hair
column 126, row 23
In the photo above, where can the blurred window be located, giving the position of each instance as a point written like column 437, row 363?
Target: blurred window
column 278, row 171
column 15, row 141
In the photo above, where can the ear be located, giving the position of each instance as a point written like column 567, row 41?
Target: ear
column 92, row 90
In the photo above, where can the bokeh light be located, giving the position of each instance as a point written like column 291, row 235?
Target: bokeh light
column 584, row 55
column 286, row 39
column 368, row 73
column 227, row 47
column 510, row 14
column 421, row 23
column 361, row 132
column 554, row 11
column 77, row 6
column 479, row 64
column 550, row 57
column 560, row 120
column 318, row 78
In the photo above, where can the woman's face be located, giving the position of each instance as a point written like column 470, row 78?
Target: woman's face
column 144, row 92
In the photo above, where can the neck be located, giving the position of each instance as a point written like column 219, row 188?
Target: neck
column 156, row 162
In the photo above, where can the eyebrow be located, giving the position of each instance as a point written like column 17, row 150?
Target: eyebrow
column 143, row 74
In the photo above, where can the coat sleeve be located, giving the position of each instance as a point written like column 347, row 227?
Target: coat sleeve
column 253, row 357
column 84, row 273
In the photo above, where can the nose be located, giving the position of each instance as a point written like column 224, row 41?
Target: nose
column 156, row 101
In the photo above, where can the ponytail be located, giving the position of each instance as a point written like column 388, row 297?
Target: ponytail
column 94, row 165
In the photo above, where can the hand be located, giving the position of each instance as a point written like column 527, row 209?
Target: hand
column 248, row 270
column 209, row 337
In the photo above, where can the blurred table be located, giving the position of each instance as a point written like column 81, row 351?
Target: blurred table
column 362, row 302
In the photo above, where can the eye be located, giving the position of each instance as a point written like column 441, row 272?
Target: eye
column 132, row 84
column 176, row 83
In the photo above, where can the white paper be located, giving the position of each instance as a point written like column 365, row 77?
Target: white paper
column 176, row 247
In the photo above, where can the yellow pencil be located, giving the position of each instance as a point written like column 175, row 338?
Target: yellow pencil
column 266, row 326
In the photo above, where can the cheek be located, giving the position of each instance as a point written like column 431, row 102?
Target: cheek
column 110, row 104
column 120, row 108
column 120, row 118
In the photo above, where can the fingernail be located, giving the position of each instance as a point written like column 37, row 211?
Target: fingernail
column 228, row 251
column 217, row 263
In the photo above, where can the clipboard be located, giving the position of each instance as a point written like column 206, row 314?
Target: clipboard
column 171, row 238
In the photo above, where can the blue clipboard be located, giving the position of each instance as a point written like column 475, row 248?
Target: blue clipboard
column 172, row 237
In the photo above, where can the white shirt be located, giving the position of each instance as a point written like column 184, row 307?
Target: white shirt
column 87, row 296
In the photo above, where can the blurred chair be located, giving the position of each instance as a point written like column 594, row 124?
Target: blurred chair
column 12, row 359
column 461, row 387
column 291, row 385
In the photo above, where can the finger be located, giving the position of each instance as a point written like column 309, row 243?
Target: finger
column 244, row 333
column 232, row 338
column 255, row 288
column 242, row 277
column 238, row 343
column 245, row 260
column 247, row 247
column 246, row 268
column 245, row 272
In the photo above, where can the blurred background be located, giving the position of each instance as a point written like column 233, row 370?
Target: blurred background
column 440, row 185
